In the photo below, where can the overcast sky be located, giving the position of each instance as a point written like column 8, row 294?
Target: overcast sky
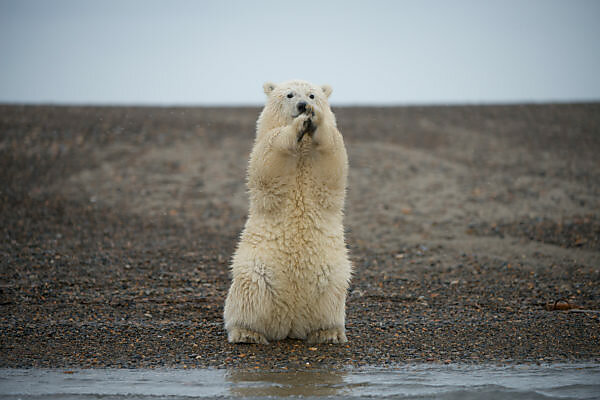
column 371, row 52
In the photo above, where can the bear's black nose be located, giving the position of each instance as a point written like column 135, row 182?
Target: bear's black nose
column 301, row 106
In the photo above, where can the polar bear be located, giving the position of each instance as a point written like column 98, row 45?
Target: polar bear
column 291, row 268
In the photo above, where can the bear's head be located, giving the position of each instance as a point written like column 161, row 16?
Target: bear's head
column 287, row 100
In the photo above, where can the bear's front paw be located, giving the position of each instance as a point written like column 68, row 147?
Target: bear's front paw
column 315, row 115
column 307, row 122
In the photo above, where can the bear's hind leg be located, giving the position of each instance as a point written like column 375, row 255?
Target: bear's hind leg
column 252, row 313
column 328, row 314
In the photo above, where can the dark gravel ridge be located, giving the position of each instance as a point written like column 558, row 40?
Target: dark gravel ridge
column 85, row 282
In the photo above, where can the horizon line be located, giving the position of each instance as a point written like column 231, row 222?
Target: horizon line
column 151, row 104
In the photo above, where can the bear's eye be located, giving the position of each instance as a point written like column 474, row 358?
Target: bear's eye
column 312, row 96
column 290, row 95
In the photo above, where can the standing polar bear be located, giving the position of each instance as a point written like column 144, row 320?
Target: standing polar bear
column 291, row 268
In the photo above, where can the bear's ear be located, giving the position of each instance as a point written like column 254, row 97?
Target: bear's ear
column 268, row 87
column 327, row 90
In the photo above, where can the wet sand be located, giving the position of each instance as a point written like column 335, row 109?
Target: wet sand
column 474, row 232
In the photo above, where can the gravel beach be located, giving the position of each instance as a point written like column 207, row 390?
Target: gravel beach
column 474, row 232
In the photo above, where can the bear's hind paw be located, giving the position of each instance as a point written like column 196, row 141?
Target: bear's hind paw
column 239, row 335
column 335, row 335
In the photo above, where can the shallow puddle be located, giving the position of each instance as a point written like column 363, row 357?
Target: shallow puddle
column 576, row 381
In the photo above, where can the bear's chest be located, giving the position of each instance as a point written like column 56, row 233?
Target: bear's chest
column 307, row 193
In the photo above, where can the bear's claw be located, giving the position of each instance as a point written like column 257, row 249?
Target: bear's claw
column 308, row 126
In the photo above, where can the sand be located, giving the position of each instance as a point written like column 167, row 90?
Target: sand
column 474, row 232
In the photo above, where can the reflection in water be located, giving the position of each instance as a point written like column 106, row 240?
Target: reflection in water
column 296, row 383
column 555, row 381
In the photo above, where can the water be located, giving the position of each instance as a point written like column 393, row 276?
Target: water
column 563, row 381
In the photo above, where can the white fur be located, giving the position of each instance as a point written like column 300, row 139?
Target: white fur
column 291, row 268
